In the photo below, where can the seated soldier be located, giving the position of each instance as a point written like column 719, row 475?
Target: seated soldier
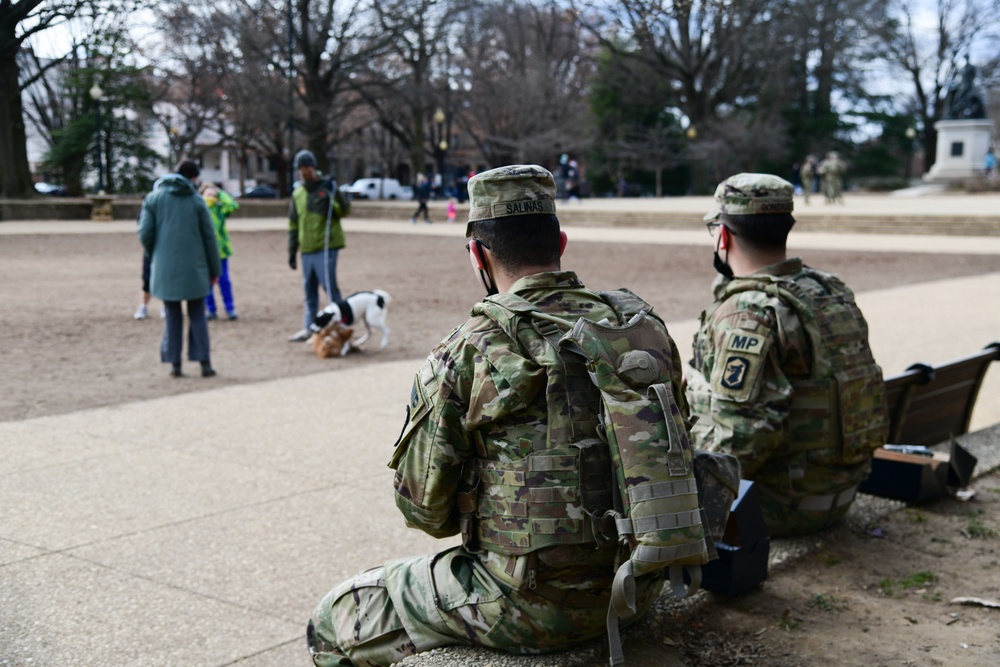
column 783, row 376
column 479, row 456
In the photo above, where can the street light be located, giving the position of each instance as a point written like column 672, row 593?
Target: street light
column 691, row 134
column 442, row 144
column 911, row 134
column 97, row 95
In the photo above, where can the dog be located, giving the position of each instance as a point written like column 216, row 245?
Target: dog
column 369, row 308
column 333, row 341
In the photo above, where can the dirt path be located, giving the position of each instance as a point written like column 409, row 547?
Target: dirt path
column 881, row 596
column 68, row 341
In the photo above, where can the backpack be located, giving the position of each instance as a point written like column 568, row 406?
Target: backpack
column 656, row 511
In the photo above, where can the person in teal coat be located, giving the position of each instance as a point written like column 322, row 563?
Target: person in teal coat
column 176, row 230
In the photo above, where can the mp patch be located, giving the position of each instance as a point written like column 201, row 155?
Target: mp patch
column 745, row 342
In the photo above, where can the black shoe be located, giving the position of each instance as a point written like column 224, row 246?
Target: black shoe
column 206, row 370
column 175, row 371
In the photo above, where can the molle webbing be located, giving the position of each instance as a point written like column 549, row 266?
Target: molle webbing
column 525, row 505
column 843, row 373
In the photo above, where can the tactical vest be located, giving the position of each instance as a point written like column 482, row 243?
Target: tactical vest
column 615, row 462
column 838, row 415
column 536, row 501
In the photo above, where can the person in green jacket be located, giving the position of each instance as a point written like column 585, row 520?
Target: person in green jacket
column 314, row 228
column 175, row 228
column 220, row 206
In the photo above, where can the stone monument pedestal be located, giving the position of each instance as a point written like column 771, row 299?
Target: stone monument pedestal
column 961, row 148
column 102, row 207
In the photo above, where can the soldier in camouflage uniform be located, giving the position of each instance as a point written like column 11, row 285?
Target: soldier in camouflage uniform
column 832, row 169
column 530, row 576
column 783, row 376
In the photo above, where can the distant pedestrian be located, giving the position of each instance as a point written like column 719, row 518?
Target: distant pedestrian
column 452, row 211
column 423, row 194
column 221, row 206
column 808, row 173
column 175, row 228
column 832, row 169
column 991, row 164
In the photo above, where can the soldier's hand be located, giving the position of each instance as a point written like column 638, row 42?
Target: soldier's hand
column 292, row 264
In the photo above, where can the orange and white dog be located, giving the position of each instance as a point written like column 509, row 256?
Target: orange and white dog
column 369, row 308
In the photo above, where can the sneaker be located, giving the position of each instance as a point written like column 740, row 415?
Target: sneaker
column 163, row 312
column 141, row 313
column 413, row 221
column 299, row 336
column 232, row 315
column 211, row 316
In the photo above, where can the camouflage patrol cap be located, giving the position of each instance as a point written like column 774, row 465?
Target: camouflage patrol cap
column 517, row 189
column 751, row 194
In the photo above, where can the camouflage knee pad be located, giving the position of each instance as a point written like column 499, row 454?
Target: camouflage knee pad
column 356, row 624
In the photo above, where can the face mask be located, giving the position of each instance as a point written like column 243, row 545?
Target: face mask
column 721, row 266
column 491, row 288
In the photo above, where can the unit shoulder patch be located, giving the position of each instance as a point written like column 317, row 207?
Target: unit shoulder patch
column 739, row 364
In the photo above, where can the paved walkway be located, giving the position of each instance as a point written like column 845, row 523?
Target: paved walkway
column 156, row 533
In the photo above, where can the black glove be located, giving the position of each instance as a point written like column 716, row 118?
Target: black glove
column 291, row 261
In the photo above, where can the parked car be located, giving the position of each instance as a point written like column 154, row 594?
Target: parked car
column 377, row 188
column 260, row 192
column 50, row 190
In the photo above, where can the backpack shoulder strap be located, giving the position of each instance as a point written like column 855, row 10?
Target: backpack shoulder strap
column 625, row 303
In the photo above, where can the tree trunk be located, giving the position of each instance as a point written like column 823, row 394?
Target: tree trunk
column 15, row 176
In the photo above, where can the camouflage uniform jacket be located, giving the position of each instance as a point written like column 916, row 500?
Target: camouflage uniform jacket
column 472, row 402
column 748, row 380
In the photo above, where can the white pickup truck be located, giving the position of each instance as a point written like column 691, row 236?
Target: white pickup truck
column 377, row 188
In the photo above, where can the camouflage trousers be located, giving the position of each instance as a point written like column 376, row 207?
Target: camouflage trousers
column 416, row 604
column 783, row 521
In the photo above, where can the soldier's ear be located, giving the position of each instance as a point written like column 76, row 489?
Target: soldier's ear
column 562, row 242
column 724, row 238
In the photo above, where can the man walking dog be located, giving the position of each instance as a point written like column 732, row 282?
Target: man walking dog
column 314, row 229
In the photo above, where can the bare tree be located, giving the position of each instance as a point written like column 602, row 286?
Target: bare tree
column 716, row 55
column 335, row 40
column 930, row 53
column 403, row 86
column 524, row 77
column 19, row 20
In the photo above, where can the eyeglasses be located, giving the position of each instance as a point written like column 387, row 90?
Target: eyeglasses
column 711, row 227
column 480, row 242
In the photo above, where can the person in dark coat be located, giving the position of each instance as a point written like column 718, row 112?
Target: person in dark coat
column 176, row 230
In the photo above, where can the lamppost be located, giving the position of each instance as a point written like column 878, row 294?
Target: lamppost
column 97, row 94
column 442, row 144
column 691, row 134
column 911, row 134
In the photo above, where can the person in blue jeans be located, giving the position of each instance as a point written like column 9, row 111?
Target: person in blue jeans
column 314, row 228
column 220, row 206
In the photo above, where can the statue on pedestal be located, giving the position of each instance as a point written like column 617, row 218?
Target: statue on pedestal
column 963, row 100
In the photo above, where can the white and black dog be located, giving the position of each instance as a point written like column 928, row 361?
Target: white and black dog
column 367, row 307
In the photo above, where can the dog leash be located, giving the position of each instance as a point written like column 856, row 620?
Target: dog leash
column 332, row 182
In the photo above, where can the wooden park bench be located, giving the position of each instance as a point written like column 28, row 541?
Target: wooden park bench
column 930, row 404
